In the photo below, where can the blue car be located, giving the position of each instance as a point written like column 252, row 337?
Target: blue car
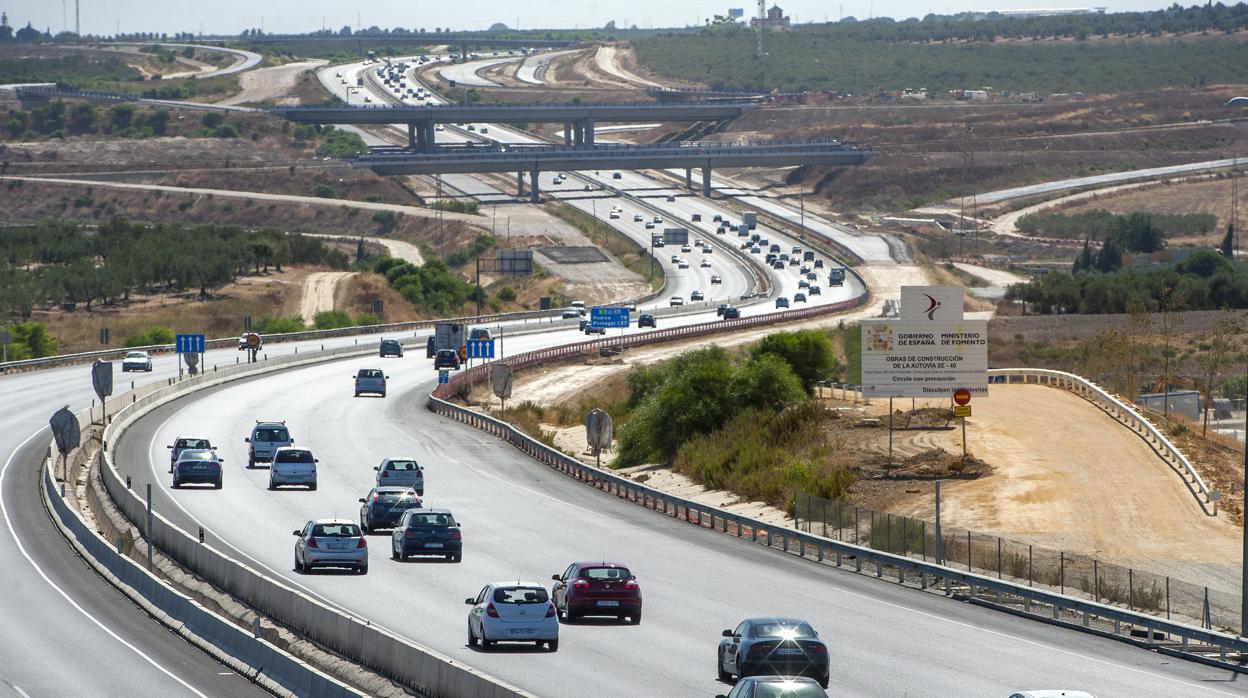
column 427, row 532
column 199, row 466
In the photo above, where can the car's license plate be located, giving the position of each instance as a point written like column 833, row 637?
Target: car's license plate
column 433, row 545
column 788, row 651
column 338, row 546
column 608, row 603
column 522, row 631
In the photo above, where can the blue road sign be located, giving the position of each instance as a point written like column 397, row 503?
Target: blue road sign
column 608, row 317
column 190, row 343
column 480, row 348
column 444, row 375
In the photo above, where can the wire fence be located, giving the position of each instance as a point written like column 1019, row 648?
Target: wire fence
column 1075, row 574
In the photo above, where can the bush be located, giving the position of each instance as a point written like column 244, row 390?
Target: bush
column 808, row 352
column 507, row 294
column 341, row 144
column 324, row 191
column 212, row 119
column 31, row 341
column 278, row 325
column 151, row 337
column 225, row 131
column 332, row 320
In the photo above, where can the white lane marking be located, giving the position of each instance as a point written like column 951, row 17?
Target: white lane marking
column 21, row 548
column 19, row 690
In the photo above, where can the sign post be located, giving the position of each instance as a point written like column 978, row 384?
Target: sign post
column 500, row 382
column 189, row 344
column 962, row 397
column 102, row 381
column 599, row 432
column 6, row 338
column 66, row 433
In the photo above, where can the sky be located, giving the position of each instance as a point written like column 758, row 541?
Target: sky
column 296, row 16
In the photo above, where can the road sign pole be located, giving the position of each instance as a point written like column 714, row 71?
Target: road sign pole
column 890, row 432
column 964, row 441
column 940, row 541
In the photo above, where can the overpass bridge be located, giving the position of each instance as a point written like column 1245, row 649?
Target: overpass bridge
column 537, row 159
column 578, row 119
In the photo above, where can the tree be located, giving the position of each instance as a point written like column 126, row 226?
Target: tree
column 1139, row 323
column 1220, row 348
column 808, row 352
column 1084, row 261
column 1228, row 242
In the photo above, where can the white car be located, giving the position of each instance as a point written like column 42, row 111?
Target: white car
column 716, row 279
column 136, row 361
column 401, row 472
column 331, row 543
column 706, row 264
column 293, row 466
column 1051, row 693
column 512, row 612
column 683, row 264
column 676, row 300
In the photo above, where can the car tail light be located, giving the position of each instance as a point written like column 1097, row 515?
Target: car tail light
column 362, row 544
column 762, row 647
column 550, row 611
column 409, row 533
column 376, row 497
column 456, row 535
column 819, row 649
column 385, row 473
column 312, row 543
column 491, row 611
column 632, row 584
column 580, row 584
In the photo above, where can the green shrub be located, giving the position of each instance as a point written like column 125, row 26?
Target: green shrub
column 507, row 294
column 150, row 337
column 278, row 325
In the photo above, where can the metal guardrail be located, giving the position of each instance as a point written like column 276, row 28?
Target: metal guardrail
column 1158, row 634
column 747, row 147
column 509, row 106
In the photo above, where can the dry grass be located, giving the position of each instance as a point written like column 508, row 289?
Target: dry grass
column 1212, row 196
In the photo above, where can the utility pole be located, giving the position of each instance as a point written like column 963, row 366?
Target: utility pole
column 77, row 23
column 760, row 48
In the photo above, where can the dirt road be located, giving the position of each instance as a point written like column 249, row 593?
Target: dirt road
column 264, row 84
column 608, row 62
column 318, row 292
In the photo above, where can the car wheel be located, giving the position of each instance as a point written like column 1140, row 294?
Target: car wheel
column 176, row 484
column 298, row 565
column 719, row 668
column 363, row 527
column 362, row 569
column 553, row 645
column 472, row 639
column 457, row 557
column 486, row 645
column 383, row 393
column 251, row 462
column 217, row 484
column 568, row 616
column 824, row 681
column 449, row 558
column 312, row 487
column 635, row 619
column 271, row 487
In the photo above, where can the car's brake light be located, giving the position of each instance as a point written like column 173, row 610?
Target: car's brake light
column 385, row 473
column 762, row 647
column 632, row 584
column 491, row 611
column 312, row 543
column 456, row 535
column 819, row 649
column 409, row 533
column 580, row 584
column 362, row 544
column 376, row 497
column 550, row 611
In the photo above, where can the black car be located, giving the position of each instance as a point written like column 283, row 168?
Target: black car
column 696, row 296
column 731, row 313
column 446, row 358
column 384, row 506
column 430, row 349
column 589, row 329
column 391, row 347
column 646, row 320
column 427, row 532
column 199, row 466
column 697, row 217
column 720, row 310
column 773, row 646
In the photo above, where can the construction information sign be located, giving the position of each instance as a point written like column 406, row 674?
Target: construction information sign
column 924, row 359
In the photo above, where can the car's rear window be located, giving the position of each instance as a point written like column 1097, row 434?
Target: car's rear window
column 294, row 457
column 195, row 455
column 272, row 435
column 389, row 343
column 370, row 373
column 783, row 630
column 402, row 465
column 395, row 497
column 431, row 520
column 193, row 443
column 787, row 689
column 606, row 574
column 520, row 595
column 136, row 355
column 346, row 530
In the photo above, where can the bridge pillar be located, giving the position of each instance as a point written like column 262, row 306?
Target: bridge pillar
column 689, row 178
column 567, row 134
column 578, row 134
column 413, row 138
column 706, row 180
column 535, row 194
column 588, row 125
column 520, row 184
column 431, row 141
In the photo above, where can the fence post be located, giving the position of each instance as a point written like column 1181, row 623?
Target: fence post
column 1096, row 581
column 968, row 551
column 999, row 558
column 1167, row 597
column 923, row 538
column 1208, row 622
column 1130, row 589
column 1030, row 565
column 1062, row 569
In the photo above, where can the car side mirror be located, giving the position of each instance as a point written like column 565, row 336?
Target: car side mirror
column 727, row 633
column 246, row 440
column 376, row 467
column 387, row 377
column 168, row 446
column 470, row 602
column 316, row 460
column 361, row 500
column 220, row 459
column 297, row 532
column 554, row 577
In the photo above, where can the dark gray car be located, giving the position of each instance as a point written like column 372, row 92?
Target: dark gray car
column 384, row 506
column 773, row 646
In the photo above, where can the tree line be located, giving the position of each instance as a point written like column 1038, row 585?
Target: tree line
column 60, row 119
column 58, row 261
column 1100, row 224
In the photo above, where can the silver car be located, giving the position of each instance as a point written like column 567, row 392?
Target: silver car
column 512, row 612
column 401, row 472
column 331, row 543
column 136, row 361
column 293, row 466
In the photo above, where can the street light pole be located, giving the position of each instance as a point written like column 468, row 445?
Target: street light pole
column 1243, row 586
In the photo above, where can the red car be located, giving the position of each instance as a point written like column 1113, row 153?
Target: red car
column 597, row 589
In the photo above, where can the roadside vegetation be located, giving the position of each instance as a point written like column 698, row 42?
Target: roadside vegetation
column 61, row 263
column 634, row 257
column 1100, row 224
column 940, row 53
column 431, row 287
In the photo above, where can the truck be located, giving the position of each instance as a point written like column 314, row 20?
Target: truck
column 743, row 230
column 359, row 82
column 836, row 277
column 448, row 335
column 750, row 219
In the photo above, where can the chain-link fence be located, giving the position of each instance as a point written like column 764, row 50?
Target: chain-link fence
column 1068, row 573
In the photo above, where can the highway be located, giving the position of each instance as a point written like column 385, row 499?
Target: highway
column 528, row 72
column 521, row 519
column 466, row 74
column 1000, row 195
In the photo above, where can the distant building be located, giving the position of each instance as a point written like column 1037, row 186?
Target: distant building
column 776, row 19
column 1053, row 12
